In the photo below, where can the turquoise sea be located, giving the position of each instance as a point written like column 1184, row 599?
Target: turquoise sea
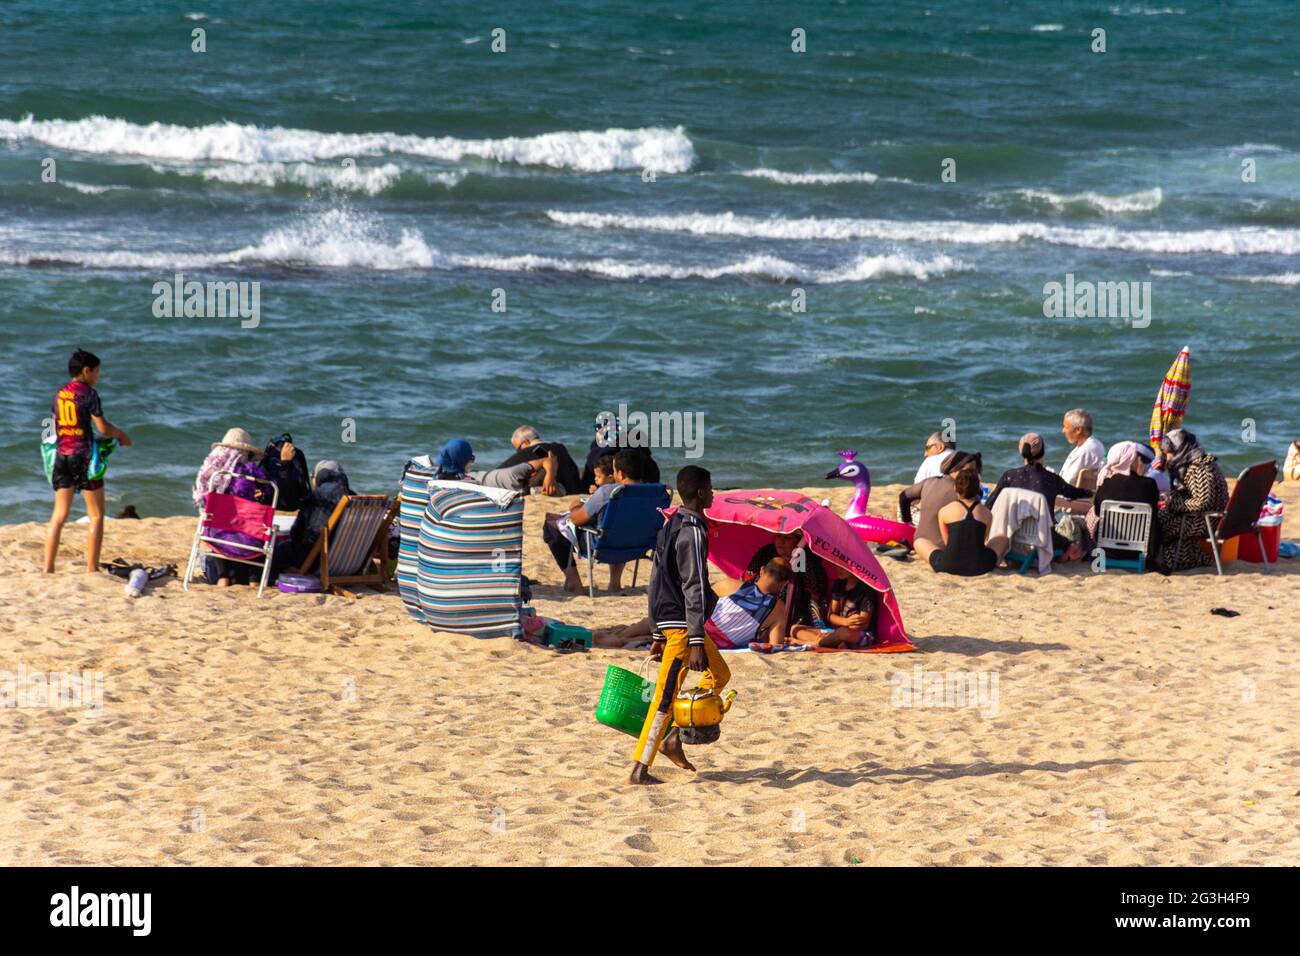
column 647, row 189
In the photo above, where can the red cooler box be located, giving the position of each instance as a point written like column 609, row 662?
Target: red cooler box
column 1248, row 544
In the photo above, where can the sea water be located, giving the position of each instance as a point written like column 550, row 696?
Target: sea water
column 452, row 231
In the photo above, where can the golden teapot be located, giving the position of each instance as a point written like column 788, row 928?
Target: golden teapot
column 700, row 707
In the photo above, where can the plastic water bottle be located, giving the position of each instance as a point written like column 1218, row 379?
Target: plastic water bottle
column 137, row 583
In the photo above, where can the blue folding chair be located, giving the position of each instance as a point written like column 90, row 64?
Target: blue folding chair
column 627, row 529
column 1023, row 550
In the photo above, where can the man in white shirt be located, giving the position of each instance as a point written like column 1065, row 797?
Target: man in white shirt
column 936, row 449
column 1088, row 452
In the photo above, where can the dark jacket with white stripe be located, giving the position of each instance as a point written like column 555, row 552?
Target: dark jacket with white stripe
column 680, row 593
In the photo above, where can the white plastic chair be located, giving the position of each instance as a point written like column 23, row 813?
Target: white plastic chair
column 1126, row 526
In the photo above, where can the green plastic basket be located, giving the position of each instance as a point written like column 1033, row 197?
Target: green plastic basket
column 624, row 700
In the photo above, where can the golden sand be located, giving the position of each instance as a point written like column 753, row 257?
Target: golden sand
column 1131, row 726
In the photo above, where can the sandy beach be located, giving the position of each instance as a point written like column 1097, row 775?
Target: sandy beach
column 1129, row 726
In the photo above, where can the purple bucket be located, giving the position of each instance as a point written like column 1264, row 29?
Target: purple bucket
column 298, row 583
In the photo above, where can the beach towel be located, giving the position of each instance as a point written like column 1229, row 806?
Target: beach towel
column 49, row 451
column 239, row 522
column 785, row 648
column 469, row 558
column 100, row 449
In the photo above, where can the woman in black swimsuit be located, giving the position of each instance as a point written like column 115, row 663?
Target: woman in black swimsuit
column 964, row 526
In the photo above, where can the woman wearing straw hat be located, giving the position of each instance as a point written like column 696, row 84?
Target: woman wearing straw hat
column 235, row 448
column 237, row 454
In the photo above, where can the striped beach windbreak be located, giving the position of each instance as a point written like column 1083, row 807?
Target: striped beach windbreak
column 415, row 498
column 470, row 557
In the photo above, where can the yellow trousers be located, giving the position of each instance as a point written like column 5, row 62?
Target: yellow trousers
column 672, row 670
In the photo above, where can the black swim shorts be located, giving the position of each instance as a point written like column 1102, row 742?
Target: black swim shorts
column 70, row 472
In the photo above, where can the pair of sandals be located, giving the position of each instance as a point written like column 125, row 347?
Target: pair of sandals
column 123, row 568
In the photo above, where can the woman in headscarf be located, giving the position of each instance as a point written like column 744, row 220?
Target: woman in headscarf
column 1123, row 478
column 1197, row 488
column 1149, row 469
column 329, row 484
column 454, row 461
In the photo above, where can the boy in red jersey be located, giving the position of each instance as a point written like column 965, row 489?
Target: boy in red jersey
column 76, row 408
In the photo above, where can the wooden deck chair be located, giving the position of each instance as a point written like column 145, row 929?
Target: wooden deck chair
column 1241, row 516
column 353, row 548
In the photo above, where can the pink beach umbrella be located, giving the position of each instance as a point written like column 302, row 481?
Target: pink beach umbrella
column 741, row 522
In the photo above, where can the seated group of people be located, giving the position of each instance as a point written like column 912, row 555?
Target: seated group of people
column 276, row 474
column 784, row 597
column 957, row 532
column 537, row 464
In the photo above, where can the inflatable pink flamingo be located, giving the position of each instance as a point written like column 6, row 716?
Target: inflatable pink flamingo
column 871, row 528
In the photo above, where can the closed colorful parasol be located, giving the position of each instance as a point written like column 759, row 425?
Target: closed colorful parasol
column 1171, row 400
column 741, row 522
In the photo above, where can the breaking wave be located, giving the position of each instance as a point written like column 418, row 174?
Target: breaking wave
column 588, row 151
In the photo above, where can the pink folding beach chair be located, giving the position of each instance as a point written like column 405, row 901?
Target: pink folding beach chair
column 235, row 529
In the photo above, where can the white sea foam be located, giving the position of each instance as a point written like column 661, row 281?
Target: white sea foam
column 590, row 151
column 1229, row 242
column 862, row 269
column 1144, row 201
column 1146, row 11
column 1255, row 148
column 370, row 180
column 1048, row 27
column 809, row 179
column 336, row 238
column 340, row 238
column 1285, row 278
column 96, row 259
column 89, row 189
